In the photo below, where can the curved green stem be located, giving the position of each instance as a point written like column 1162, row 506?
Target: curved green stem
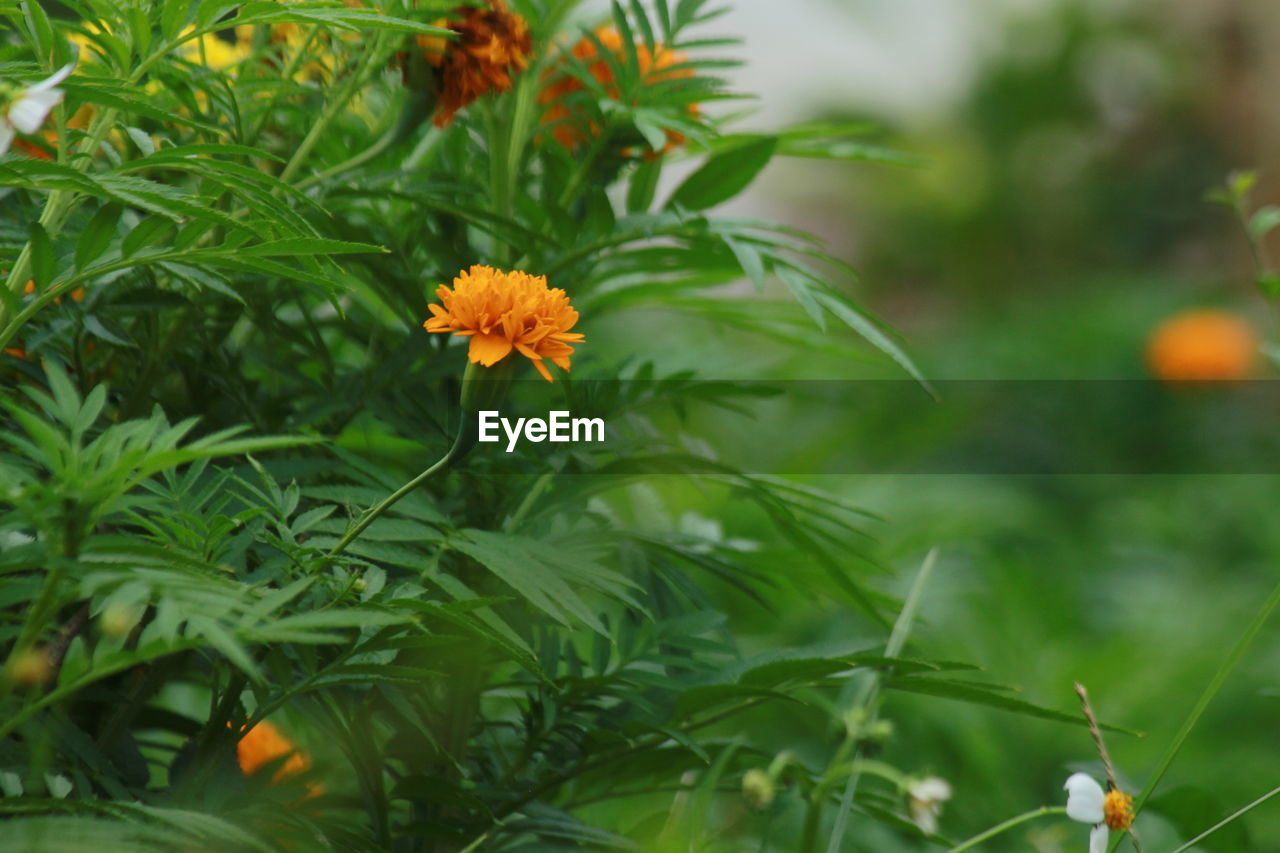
column 384, row 142
column 530, row 499
column 1255, row 626
column 482, row 388
column 1240, row 812
column 331, row 110
column 1006, row 826
column 869, row 702
column 461, row 445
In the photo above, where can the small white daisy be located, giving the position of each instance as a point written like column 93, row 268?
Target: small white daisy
column 1088, row 803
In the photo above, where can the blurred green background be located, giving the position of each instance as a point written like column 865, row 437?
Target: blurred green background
column 1058, row 216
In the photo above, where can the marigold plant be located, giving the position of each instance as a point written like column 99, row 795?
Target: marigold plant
column 569, row 127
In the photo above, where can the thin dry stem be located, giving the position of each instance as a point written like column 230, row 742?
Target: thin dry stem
column 1096, row 731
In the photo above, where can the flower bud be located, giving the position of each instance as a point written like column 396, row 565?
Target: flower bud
column 30, row 667
column 880, row 731
column 117, row 620
column 757, row 788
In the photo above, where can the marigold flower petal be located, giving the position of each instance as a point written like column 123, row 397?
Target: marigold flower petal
column 265, row 743
column 489, row 349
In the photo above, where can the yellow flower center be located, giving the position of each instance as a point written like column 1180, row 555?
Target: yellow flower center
column 1117, row 810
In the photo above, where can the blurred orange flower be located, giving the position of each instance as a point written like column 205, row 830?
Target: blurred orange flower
column 661, row 64
column 1202, row 344
column 492, row 43
column 77, row 295
column 265, row 743
column 505, row 311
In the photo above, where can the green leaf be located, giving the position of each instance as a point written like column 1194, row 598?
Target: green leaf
column 99, row 328
column 310, row 246
column 724, row 174
column 263, row 12
column 42, row 260
column 749, row 259
column 522, row 564
column 871, row 331
column 1269, row 284
column 132, row 100
column 97, row 235
column 1264, row 220
column 40, row 174
column 1241, row 183
column 643, row 185
column 994, row 697
column 141, row 139
column 153, row 229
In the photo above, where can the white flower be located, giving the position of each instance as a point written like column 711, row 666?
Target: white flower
column 1085, row 799
column 28, row 108
column 925, row 797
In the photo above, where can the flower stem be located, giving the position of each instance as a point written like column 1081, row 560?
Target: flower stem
column 1210, row 691
column 482, row 388
column 1006, row 826
column 1096, row 732
column 1241, row 812
column 869, row 701
column 461, row 445
column 384, row 142
column 331, row 110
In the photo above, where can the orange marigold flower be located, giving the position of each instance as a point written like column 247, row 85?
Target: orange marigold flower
column 1117, row 810
column 1202, row 344
column 492, row 43
column 505, row 311
column 661, row 64
column 265, row 743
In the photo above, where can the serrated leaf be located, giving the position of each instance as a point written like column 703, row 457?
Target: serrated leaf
column 310, row 246
column 512, row 559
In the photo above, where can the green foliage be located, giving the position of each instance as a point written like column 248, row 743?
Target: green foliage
column 220, row 374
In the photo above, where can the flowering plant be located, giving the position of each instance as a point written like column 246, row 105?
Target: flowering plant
column 262, row 587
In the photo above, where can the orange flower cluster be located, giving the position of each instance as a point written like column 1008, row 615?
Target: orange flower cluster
column 492, row 43
column 654, row 67
column 1202, row 345
column 505, row 311
column 1117, row 810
